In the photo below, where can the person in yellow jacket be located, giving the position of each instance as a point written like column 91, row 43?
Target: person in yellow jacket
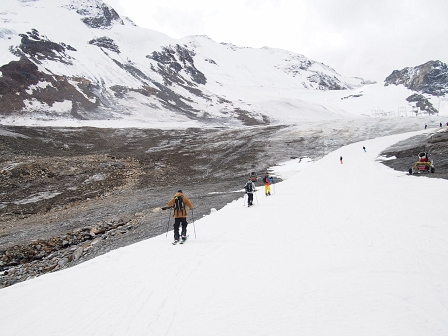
column 179, row 203
column 267, row 180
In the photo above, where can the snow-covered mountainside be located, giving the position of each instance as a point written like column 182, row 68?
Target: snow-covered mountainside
column 78, row 59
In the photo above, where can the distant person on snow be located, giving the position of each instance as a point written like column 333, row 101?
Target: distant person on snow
column 267, row 180
column 340, row 159
column 364, row 148
column 250, row 189
column 179, row 203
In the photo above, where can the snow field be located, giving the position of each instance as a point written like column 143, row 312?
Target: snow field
column 340, row 249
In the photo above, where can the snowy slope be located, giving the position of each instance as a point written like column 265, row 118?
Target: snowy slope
column 362, row 252
column 98, row 68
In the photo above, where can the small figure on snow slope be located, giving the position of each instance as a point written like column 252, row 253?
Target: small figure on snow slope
column 179, row 203
column 267, row 180
column 250, row 189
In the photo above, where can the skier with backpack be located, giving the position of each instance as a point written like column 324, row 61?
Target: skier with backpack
column 179, row 203
column 250, row 189
column 267, row 180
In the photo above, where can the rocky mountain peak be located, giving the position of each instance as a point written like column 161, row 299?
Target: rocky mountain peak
column 95, row 13
column 430, row 78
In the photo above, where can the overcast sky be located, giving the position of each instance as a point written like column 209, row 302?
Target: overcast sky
column 363, row 38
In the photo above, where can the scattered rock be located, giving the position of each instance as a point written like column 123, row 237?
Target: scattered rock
column 63, row 262
column 77, row 254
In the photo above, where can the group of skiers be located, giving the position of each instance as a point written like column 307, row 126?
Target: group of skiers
column 179, row 204
column 179, row 201
column 250, row 188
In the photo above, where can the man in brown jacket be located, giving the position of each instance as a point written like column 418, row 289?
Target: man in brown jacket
column 179, row 203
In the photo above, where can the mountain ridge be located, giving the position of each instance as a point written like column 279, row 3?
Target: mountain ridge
column 79, row 60
column 82, row 60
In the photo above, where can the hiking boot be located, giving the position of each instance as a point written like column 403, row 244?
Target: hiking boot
column 184, row 238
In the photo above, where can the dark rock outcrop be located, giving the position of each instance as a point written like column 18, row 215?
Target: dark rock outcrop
column 106, row 43
column 171, row 60
column 19, row 76
column 39, row 48
column 430, row 78
column 422, row 103
column 101, row 16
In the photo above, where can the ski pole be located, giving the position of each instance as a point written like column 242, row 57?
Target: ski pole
column 256, row 197
column 168, row 226
column 194, row 227
column 244, row 200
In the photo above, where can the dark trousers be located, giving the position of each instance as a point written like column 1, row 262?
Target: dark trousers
column 250, row 198
column 177, row 223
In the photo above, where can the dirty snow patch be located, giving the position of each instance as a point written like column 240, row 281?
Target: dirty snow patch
column 95, row 178
column 38, row 197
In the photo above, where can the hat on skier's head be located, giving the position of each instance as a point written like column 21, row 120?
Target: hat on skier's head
column 180, row 190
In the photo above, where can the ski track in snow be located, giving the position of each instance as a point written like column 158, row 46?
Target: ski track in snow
column 339, row 249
